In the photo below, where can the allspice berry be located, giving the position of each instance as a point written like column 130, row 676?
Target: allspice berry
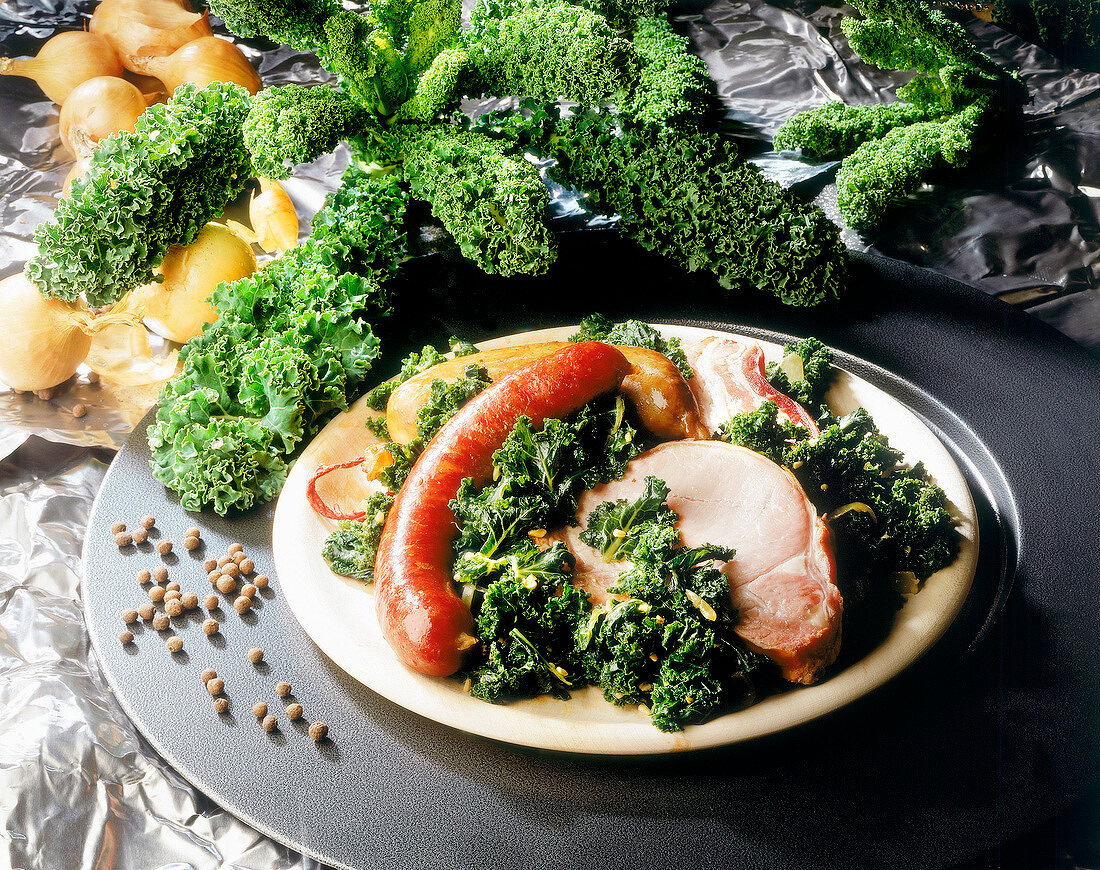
column 282, row 690
column 126, row 637
column 147, row 611
column 144, row 577
column 173, row 607
column 255, row 655
column 211, row 602
column 221, row 705
column 210, row 626
column 192, row 532
column 161, row 621
column 259, row 710
column 239, row 557
column 215, row 686
column 270, row 723
column 247, row 566
column 172, row 595
column 230, row 569
column 318, row 731
column 235, row 548
column 148, row 521
column 260, row 581
column 140, row 536
column 189, row 601
column 124, row 539
column 191, row 542
column 156, row 593
column 242, row 605
column 248, row 590
column 294, row 712
column 164, row 546
column 174, row 644
column 160, row 573
column 172, row 587
column 226, row 584
column 118, row 527
column 207, row 675
column 80, row 409
column 209, row 565
column 129, row 616
column 214, row 576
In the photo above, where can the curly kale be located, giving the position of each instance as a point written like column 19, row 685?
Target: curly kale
column 362, row 53
column 614, row 527
column 804, row 373
column 437, row 91
column 298, row 23
column 288, row 349
column 292, row 124
column 669, row 645
column 889, row 151
column 633, row 333
column 351, row 549
column 144, row 192
column 674, row 88
column 548, row 50
column 688, row 196
column 433, row 27
column 492, row 203
column 625, row 14
column 762, row 430
column 1059, row 24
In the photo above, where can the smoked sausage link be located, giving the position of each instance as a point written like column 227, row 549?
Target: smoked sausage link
column 421, row 616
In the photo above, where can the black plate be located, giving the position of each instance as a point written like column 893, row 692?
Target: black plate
column 993, row 732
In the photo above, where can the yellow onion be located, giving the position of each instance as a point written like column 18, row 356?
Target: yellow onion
column 274, row 220
column 202, row 61
column 148, row 27
column 177, row 308
column 45, row 340
column 97, row 108
column 64, row 61
column 78, row 171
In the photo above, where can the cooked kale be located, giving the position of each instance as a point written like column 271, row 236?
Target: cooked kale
column 762, row 430
column 351, row 549
column 632, row 333
column 811, row 364
column 614, row 527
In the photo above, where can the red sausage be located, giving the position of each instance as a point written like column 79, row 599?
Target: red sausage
column 421, row 616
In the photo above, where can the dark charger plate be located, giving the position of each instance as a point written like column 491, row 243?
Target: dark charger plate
column 992, row 733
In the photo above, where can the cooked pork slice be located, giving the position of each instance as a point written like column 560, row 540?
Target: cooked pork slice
column 729, row 380
column 782, row 577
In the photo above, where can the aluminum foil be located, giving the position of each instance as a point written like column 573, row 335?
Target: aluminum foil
column 79, row 788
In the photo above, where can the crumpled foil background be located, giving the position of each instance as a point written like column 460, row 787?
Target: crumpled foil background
column 79, row 788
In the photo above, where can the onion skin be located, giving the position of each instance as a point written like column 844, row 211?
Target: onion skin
column 64, row 61
column 177, row 308
column 95, row 110
column 45, row 340
column 148, row 27
column 202, row 61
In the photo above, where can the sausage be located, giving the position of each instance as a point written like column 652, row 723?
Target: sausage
column 657, row 391
column 420, row 614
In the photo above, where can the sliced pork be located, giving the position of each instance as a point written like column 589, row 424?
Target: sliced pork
column 782, row 577
column 729, row 380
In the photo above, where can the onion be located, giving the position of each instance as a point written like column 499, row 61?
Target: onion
column 148, row 27
column 177, row 308
column 201, row 61
column 79, row 170
column 97, row 108
column 274, row 220
column 44, row 339
column 64, row 61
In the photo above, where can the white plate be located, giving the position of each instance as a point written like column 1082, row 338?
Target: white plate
column 338, row 614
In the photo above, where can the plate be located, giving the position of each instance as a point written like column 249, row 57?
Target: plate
column 339, row 613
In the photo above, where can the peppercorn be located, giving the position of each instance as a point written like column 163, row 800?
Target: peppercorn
column 282, row 690
column 148, row 521
column 156, row 593
column 242, row 605
column 144, row 577
column 164, row 546
column 189, row 601
column 259, row 709
column 147, row 611
column 209, row 565
column 234, row 548
column 160, row 573
column 248, row 590
column 207, row 675
column 247, row 566
column 174, row 644
column 126, row 637
column 270, row 723
column 210, row 626
column 211, row 602
column 294, row 712
column 215, row 686
column 318, row 731
column 226, row 584
column 260, row 581
column 124, row 539
column 231, row 570
column 173, row 607
column 255, row 655
column 140, row 536
column 129, row 616
column 161, row 621
column 221, row 705
column 118, row 527
column 172, row 587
